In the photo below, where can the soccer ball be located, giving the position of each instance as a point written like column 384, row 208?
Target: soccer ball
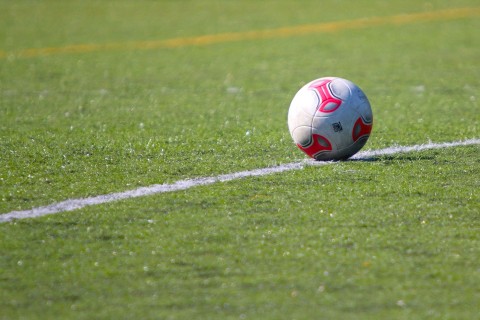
column 330, row 119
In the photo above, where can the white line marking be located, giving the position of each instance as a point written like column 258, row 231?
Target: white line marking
column 74, row 204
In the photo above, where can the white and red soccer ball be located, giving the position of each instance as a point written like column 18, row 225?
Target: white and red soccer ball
column 330, row 119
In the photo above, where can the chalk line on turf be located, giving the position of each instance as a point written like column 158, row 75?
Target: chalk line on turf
column 74, row 204
column 209, row 39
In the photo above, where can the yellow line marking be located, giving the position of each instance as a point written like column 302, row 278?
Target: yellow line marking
column 401, row 19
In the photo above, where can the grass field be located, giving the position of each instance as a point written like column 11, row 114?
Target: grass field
column 99, row 97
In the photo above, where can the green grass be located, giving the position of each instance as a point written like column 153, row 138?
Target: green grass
column 393, row 238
